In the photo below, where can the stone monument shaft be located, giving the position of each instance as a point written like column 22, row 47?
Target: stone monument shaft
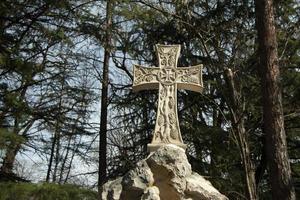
column 167, row 78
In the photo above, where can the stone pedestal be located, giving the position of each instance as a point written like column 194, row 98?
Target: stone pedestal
column 165, row 175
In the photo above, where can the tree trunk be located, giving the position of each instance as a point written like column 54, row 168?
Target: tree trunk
column 16, row 143
column 280, row 171
column 63, row 164
column 10, row 156
column 238, row 125
column 104, row 100
column 77, row 144
column 14, row 147
column 57, row 153
column 54, row 152
column 56, row 138
column 51, row 157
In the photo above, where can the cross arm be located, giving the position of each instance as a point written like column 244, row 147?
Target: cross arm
column 190, row 78
column 145, row 78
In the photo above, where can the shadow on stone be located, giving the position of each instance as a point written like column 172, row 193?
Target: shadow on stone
column 164, row 175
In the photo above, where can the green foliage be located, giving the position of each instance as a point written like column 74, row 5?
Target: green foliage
column 219, row 35
column 29, row 191
column 48, row 80
column 7, row 137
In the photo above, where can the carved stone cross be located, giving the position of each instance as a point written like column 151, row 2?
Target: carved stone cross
column 167, row 78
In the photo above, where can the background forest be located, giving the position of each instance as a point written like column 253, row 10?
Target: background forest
column 54, row 58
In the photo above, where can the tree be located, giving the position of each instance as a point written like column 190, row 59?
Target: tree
column 237, row 110
column 104, row 99
column 51, row 63
column 35, row 43
column 276, row 145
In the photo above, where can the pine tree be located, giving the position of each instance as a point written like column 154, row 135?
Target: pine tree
column 104, row 99
column 276, row 145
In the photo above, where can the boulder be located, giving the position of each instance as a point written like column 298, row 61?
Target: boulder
column 164, row 175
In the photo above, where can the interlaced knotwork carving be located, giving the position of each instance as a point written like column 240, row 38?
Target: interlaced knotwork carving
column 167, row 76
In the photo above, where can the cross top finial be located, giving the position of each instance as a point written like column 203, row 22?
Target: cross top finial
column 167, row 78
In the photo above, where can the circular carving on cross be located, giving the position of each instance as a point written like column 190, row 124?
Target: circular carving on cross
column 167, row 76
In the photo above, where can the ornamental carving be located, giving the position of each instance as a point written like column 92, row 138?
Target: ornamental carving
column 167, row 55
column 167, row 76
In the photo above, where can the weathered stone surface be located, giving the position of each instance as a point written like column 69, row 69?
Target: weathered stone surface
column 112, row 190
column 136, row 180
column 167, row 78
column 151, row 193
column 170, row 166
column 199, row 188
column 165, row 175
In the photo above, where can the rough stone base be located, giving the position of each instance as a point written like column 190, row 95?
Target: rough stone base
column 152, row 147
column 165, row 175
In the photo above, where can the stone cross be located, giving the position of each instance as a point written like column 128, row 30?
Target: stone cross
column 167, row 78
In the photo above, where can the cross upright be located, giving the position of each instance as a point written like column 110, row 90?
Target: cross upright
column 167, row 78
